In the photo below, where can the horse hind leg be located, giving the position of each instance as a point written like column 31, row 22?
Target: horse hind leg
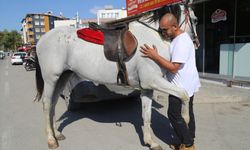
column 51, row 93
column 146, row 98
column 59, row 88
column 47, row 109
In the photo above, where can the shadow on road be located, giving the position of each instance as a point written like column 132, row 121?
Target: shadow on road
column 120, row 111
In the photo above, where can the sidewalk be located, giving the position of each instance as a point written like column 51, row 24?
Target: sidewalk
column 221, row 114
column 216, row 92
column 226, row 79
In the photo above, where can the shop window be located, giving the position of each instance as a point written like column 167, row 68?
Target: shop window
column 243, row 22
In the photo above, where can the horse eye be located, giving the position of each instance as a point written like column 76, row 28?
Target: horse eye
column 195, row 21
column 159, row 30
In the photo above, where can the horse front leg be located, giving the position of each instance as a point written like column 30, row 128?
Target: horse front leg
column 162, row 85
column 146, row 98
column 49, row 115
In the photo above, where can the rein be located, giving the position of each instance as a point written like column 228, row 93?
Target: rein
column 190, row 24
column 143, row 23
column 187, row 21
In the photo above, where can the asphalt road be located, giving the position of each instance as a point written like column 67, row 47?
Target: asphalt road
column 222, row 118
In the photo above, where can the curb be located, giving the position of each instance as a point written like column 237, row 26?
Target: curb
column 214, row 92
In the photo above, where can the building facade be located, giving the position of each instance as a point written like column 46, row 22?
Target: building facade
column 71, row 23
column 110, row 14
column 103, row 16
column 34, row 25
column 224, row 33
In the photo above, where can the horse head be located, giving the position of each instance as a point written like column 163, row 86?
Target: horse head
column 188, row 21
column 185, row 16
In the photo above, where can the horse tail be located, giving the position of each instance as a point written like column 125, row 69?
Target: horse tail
column 39, row 81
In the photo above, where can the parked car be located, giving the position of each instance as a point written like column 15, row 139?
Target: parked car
column 18, row 58
column 2, row 54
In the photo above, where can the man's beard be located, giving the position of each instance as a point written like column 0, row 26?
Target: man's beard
column 168, row 38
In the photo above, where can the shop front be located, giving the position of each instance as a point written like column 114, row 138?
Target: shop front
column 224, row 33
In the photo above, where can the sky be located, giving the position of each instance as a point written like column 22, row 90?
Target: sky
column 13, row 11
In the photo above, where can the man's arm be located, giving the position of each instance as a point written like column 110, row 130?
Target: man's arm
column 152, row 54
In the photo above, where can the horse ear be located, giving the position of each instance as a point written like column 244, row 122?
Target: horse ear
column 188, row 1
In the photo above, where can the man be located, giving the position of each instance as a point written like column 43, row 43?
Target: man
column 182, row 72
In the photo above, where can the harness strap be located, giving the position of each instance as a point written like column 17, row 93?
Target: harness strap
column 122, row 76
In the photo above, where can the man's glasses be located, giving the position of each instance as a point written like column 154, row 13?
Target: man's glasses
column 162, row 31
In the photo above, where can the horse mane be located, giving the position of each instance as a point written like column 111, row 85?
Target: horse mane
column 152, row 16
column 157, row 14
column 125, row 20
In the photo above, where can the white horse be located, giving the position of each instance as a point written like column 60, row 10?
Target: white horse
column 61, row 53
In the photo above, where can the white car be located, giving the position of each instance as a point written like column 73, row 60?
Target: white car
column 18, row 58
column 2, row 54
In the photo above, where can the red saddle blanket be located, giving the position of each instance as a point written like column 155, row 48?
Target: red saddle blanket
column 90, row 35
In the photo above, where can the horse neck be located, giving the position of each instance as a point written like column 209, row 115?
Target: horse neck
column 146, row 35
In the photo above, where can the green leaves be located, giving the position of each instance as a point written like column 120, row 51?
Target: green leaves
column 10, row 40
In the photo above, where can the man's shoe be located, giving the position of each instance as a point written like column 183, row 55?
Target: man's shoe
column 183, row 147
column 174, row 146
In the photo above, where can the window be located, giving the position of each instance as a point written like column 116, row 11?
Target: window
column 36, row 16
column 102, row 15
column 242, row 21
column 41, row 17
column 37, row 22
column 116, row 15
column 108, row 15
column 37, row 29
column 38, row 37
column 42, row 30
column 42, row 22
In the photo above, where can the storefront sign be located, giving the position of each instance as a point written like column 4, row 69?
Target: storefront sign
column 139, row 6
column 219, row 15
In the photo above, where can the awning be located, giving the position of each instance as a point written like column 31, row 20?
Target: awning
column 139, row 6
column 24, row 48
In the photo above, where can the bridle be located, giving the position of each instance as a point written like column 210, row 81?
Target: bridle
column 186, row 22
column 189, row 22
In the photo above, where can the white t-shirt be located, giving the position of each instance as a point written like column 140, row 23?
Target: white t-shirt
column 182, row 51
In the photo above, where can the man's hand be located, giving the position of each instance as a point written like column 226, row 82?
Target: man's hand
column 153, row 54
column 149, row 52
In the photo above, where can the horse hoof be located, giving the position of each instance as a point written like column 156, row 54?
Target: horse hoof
column 156, row 148
column 52, row 144
column 60, row 137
